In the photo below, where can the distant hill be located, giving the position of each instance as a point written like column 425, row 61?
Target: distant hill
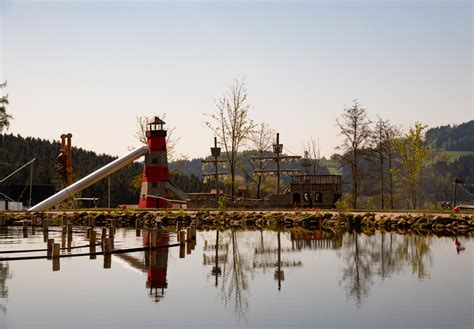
column 452, row 138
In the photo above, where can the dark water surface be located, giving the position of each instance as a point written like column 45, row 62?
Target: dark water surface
column 254, row 279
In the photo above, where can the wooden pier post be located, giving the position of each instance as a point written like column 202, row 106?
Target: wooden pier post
column 182, row 237
column 189, row 234
column 103, row 234
column 107, row 245
column 111, row 232
column 64, row 229
column 69, row 229
column 92, row 237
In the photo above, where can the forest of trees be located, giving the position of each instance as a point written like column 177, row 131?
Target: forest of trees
column 452, row 138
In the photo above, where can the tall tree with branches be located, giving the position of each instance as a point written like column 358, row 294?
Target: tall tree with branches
column 313, row 153
column 261, row 141
column 413, row 154
column 382, row 139
column 231, row 124
column 4, row 116
column 355, row 128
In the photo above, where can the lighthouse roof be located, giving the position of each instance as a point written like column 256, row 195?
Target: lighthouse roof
column 155, row 120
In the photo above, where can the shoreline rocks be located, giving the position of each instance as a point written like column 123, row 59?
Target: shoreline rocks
column 439, row 224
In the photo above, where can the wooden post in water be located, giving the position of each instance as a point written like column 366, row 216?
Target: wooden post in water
column 92, row 237
column 63, row 220
column 107, row 245
column 25, row 225
column 189, row 234
column 91, row 222
column 69, row 229
column 182, row 237
column 178, row 226
column 103, row 234
column 111, row 232
column 88, row 233
column 49, row 252
column 137, row 233
column 64, row 229
column 188, row 247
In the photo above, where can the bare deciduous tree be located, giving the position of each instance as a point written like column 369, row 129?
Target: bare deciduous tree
column 231, row 123
column 382, row 139
column 313, row 152
column 355, row 127
column 261, row 140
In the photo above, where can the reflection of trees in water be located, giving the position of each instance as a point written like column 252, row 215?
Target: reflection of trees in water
column 234, row 286
column 4, row 275
column 382, row 255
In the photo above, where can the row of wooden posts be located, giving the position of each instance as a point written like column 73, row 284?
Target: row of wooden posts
column 185, row 236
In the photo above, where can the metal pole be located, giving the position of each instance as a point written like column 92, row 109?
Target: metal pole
column 108, row 192
column 31, row 183
column 278, row 162
column 454, row 194
column 217, row 174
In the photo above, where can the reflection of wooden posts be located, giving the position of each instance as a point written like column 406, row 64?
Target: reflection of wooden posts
column 216, row 270
column 107, row 252
column 55, row 255
column 182, row 250
column 279, row 274
column 49, row 252
column 56, row 265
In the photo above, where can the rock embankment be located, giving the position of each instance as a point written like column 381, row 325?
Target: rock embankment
column 441, row 224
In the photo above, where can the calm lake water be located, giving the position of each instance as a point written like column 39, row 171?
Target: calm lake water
column 242, row 279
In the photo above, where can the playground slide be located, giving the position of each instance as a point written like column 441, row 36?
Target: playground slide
column 176, row 190
column 91, row 179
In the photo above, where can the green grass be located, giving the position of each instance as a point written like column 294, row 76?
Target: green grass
column 454, row 155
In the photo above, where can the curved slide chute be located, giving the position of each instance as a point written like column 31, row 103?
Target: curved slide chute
column 91, row 179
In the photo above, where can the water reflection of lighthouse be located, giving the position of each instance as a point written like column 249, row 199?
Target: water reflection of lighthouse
column 157, row 263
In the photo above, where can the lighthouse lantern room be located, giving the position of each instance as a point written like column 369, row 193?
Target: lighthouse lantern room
column 155, row 172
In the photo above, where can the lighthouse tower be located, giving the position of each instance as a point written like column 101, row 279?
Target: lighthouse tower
column 155, row 173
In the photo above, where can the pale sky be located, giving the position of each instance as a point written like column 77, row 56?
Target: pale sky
column 91, row 67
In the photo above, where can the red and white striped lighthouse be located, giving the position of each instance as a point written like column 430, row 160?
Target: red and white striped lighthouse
column 155, row 173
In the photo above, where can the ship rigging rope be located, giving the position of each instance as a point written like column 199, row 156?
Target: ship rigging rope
column 465, row 190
